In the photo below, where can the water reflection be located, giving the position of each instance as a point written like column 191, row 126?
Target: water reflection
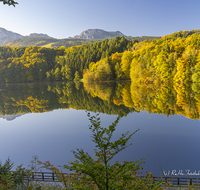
column 171, row 142
column 39, row 98
column 10, row 117
column 167, row 99
column 109, row 98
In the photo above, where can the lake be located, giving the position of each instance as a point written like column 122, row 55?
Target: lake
column 50, row 119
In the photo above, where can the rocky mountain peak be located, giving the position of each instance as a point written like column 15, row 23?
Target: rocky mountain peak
column 98, row 34
column 39, row 35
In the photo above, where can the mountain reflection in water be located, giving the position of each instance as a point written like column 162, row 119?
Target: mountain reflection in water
column 10, row 117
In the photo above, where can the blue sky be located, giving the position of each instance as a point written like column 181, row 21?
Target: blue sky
column 64, row 18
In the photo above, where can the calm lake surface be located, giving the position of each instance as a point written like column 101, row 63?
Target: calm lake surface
column 49, row 120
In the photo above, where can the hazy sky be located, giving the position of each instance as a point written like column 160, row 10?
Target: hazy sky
column 64, row 18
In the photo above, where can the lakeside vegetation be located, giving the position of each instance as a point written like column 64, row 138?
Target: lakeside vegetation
column 172, row 58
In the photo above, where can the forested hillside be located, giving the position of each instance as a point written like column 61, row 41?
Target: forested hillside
column 33, row 63
column 26, row 64
column 173, row 58
column 77, row 59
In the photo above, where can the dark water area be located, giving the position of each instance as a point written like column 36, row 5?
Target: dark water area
column 49, row 120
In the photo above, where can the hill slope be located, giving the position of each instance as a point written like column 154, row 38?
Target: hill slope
column 30, row 41
column 46, row 42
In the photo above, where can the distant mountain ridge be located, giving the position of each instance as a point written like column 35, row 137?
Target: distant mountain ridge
column 91, row 34
column 7, row 36
column 12, row 39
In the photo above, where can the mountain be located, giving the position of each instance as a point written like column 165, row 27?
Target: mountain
column 97, row 34
column 39, row 39
column 30, row 41
column 39, row 35
column 6, row 36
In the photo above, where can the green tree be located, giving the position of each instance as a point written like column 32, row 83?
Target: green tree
column 77, row 84
column 100, row 173
column 126, row 62
column 66, row 73
column 118, row 72
column 76, row 76
column 9, row 2
column 196, row 75
column 57, row 74
column 12, row 180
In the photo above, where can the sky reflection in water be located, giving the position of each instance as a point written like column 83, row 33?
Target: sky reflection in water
column 171, row 143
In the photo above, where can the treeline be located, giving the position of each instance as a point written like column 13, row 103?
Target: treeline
column 172, row 58
column 143, row 38
column 38, row 98
column 27, row 64
column 32, row 64
column 6, row 53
